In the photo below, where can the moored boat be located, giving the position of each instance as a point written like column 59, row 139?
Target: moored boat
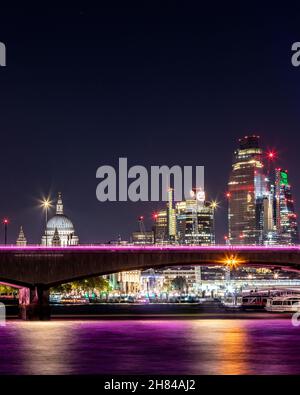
column 281, row 304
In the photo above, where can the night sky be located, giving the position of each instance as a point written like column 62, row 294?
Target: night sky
column 157, row 82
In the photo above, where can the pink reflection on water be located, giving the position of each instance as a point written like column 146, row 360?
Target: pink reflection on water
column 151, row 347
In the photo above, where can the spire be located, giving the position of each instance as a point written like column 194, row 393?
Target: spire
column 56, row 239
column 21, row 240
column 59, row 204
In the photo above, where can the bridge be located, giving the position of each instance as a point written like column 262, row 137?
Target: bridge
column 35, row 269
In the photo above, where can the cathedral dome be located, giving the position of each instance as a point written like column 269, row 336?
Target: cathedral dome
column 59, row 229
column 61, row 222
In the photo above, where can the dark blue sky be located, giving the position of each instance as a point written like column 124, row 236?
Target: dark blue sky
column 157, row 82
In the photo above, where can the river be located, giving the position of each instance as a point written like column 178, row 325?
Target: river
column 147, row 346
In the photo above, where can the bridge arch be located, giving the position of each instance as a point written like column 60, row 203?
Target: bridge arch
column 35, row 268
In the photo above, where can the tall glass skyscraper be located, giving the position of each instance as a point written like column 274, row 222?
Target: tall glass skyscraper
column 161, row 227
column 285, row 216
column 247, row 189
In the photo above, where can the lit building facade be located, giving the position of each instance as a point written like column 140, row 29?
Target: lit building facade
column 143, row 238
column 285, row 215
column 247, row 189
column 270, row 234
column 191, row 274
column 195, row 221
column 129, row 282
column 171, row 216
column 160, row 227
column 152, row 281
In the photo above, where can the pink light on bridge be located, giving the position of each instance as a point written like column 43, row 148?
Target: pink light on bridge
column 110, row 247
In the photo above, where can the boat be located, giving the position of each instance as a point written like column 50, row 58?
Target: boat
column 282, row 304
column 232, row 302
column 254, row 302
column 74, row 300
column 257, row 300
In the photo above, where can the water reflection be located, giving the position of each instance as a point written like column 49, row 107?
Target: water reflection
column 222, row 345
column 150, row 347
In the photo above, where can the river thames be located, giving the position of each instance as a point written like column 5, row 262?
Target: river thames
column 161, row 346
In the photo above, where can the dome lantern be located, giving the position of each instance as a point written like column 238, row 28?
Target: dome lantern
column 59, row 205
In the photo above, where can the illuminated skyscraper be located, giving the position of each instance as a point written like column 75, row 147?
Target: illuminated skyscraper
column 161, row 227
column 195, row 221
column 171, row 216
column 270, row 235
column 247, row 189
column 285, row 216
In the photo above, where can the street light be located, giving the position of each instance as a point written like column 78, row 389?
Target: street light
column 232, row 261
column 46, row 204
column 5, row 223
column 214, row 205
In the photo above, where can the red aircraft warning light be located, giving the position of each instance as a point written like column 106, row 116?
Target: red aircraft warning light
column 272, row 154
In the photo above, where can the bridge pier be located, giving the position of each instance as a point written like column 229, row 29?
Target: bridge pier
column 34, row 303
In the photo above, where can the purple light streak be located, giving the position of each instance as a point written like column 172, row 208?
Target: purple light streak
column 129, row 248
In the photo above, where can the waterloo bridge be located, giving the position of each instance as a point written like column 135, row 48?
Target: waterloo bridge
column 35, row 269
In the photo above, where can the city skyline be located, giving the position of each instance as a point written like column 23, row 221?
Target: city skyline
column 267, row 163
column 119, row 88
column 149, row 228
